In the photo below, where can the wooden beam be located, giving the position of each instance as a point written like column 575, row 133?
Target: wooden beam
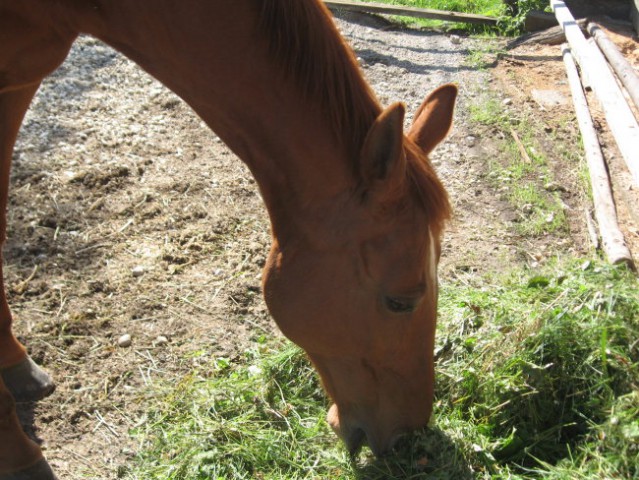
column 410, row 12
column 594, row 67
column 618, row 62
column 612, row 239
column 536, row 21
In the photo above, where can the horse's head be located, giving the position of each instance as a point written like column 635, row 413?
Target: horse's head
column 359, row 293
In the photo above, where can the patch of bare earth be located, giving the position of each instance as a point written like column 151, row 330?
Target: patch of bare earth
column 525, row 73
column 129, row 217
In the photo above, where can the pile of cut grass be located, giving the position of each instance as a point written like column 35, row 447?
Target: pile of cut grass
column 538, row 375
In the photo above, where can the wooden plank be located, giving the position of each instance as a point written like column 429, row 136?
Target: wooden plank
column 551, row 36
column 536, row 21
column 594, row 67
column 612, row 239
column 410, row 12
column 617, row 61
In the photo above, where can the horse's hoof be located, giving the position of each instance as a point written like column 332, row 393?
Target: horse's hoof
column 38, row 471
column 27, row 382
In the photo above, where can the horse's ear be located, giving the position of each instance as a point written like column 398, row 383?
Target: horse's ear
column 382, row 153
column 434, row 118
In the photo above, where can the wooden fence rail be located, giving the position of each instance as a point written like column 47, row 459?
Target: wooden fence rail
column 612, row 239
column 594, row 67
column 410, row 12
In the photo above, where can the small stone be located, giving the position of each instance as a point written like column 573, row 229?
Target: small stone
column 554, row 187
column 124, row 341
column 161, row 340
column 455, row 39
column 138, row 271
column 507, row 101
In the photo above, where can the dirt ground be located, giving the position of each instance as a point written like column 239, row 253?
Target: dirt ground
column 128, row 217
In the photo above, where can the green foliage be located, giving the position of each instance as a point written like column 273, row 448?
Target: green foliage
column 513, row 21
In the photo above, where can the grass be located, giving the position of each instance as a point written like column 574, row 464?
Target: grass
column 538, row 377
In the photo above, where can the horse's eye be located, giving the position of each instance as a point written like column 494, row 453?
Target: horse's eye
column 401, row 304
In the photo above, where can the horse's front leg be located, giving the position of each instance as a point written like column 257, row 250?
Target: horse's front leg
column 20, row 457
column 22, row 377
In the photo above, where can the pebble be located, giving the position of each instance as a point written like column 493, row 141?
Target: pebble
column 455, row 39
column 161, row 340
column 124, row 341
column 138, row 271
column 554, row 187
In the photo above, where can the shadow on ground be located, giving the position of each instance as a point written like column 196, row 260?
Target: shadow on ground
column 427, row 454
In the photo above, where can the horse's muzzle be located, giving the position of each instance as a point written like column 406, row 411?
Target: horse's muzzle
column 355, row 435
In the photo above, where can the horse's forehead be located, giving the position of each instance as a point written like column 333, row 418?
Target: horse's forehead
column 404, row 228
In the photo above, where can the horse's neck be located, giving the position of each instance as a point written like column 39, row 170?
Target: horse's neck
column 215, row 63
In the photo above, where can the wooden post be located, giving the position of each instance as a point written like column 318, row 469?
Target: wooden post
column 612, row 239
column 622, row 122
column 617, row 61
column 411, row 12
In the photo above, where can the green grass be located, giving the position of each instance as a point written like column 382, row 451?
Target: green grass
column 537, row 377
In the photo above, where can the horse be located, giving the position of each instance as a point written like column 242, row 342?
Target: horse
column 356, row 209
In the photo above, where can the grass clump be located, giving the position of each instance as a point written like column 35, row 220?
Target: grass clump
column 537, row 377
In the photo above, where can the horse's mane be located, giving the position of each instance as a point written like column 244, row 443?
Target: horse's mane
column 304, row 40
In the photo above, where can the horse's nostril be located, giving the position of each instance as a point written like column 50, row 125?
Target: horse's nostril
column 355, row 441
column 382, row 447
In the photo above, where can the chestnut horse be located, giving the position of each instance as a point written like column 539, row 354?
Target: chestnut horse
column 356, row 209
